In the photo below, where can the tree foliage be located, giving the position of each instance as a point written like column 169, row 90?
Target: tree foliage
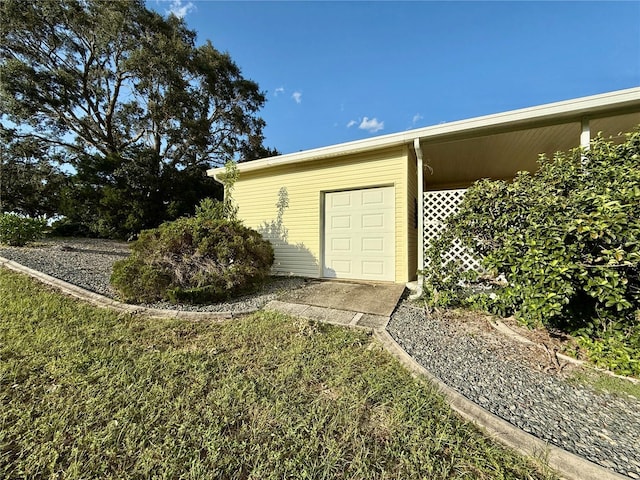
column 30, row 178
column 139, row 109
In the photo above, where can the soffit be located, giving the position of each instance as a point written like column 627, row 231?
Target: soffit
column 457, row 162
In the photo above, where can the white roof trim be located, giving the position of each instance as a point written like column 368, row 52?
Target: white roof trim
column 566, row 110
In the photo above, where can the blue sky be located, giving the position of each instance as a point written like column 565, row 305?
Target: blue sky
column 340, row 71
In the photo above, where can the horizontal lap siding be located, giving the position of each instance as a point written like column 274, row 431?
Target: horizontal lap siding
column 297, row 239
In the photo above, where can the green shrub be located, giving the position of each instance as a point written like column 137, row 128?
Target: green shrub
column 210, row 209
column 194, row 260
column 208, row 293
column 566, row 239
column 137, row 281
column 617, row 350
column 17, row 230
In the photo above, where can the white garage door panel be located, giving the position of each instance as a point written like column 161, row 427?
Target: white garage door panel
column 360, row 234
column 372, row 197
column 373, row 268
column 343, row 266
column 341, row 200
column 373, row 245
column 341, row 245
column 340, row 221
column 372, row 221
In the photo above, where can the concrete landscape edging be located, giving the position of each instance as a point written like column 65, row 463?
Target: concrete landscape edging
column 106, row 302
column 568, row 465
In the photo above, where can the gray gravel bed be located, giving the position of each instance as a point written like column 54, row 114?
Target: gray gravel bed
column 601, row 427
column 88, row 263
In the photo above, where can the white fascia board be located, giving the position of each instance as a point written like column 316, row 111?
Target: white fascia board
column 569, row 109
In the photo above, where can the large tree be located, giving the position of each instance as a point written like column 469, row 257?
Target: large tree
column 140, row 110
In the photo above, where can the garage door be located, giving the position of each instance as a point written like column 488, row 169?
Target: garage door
column 359, row 238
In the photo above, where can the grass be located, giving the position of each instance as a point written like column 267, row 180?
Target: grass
column 89, row 393
column 603, row 383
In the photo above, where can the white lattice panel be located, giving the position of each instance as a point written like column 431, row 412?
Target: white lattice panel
column 438, row 205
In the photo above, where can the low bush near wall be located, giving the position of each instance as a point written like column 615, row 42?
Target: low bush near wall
column 565, row 239
column 17, row 230
column 193, row 260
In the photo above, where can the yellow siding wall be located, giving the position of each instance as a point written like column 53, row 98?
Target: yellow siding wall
column 297, row 232
column 412, row 197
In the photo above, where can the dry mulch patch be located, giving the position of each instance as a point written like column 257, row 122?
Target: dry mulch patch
column 540, row 355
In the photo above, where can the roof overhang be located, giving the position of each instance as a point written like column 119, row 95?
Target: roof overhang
column 615, row 103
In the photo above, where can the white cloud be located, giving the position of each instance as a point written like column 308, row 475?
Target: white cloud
column 351, row 123
column 278, row 91
column 371, row 125
column 180, row 9
column 416, row 118
column 297, row 96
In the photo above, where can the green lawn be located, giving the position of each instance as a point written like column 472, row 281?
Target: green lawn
column 89, row 393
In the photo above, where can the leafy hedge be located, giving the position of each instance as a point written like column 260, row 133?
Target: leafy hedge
column 565, row 240
column 17, row 230
column 193, row 260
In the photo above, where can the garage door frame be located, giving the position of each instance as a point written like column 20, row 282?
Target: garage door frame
column 323, row 227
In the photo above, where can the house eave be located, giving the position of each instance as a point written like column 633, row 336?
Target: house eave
column 594, row 106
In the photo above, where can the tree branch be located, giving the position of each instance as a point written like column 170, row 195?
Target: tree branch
column 51, row 141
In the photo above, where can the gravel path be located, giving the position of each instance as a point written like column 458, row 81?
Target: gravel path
column 600, row 427
column 88, row 263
